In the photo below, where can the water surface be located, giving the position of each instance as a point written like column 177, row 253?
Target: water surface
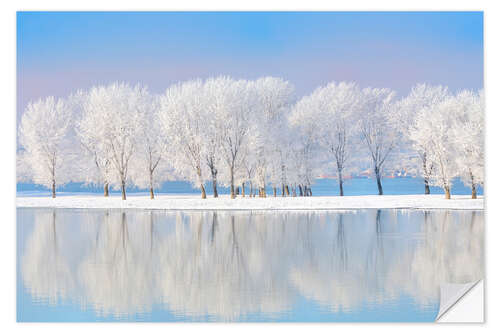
column 139, row 265
column 320, row 187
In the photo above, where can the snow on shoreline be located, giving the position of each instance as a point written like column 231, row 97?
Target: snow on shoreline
column 194, row 202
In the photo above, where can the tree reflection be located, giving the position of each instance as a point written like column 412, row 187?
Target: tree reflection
column 232, row 265
column 45, row 269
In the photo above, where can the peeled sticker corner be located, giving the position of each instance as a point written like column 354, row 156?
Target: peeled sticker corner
column 461, row 302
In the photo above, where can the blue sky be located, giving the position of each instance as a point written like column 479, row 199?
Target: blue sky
column 60, row 52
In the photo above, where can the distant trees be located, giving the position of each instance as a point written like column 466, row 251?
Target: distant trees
column 44, row 138
column 251, row 134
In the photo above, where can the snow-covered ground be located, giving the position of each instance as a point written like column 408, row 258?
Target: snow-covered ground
column 192, row 202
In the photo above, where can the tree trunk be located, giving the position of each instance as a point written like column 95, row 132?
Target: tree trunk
column 473, row 186
column 287, row 190
column 237, row 190
column 232, row 183
column 341, row 183
column 447, row 192
column 300, row 191
column 151, row 192
column 310, row 192
column 203, row 193
column 106, row 190
column 426, row 178
column 274, row 191
column 282, row 190
column 202, row 186
column 243, row 190
column 379, row 183
column 264, row 192
column 214, row 187
column 306, row 190
column 53, row 189
column 124, row 195
column 427, row 187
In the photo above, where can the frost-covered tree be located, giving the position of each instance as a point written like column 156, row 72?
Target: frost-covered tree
column 45, row 143
column 149, row 164
column 117, row 112
column 89, row 127
column 214, row 98
column 377, row 127
column 239, row 106
column 433, row 125
column 305, row 124
column 467, row 137
column 182, row 110
column 421, row 96
column 334, row 107
column 274, row 97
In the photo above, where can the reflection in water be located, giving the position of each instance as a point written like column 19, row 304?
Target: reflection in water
column 235, row 265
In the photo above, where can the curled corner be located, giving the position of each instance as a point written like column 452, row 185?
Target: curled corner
column 455, row 304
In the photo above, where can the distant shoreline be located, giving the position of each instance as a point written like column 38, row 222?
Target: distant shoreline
column 194, row 202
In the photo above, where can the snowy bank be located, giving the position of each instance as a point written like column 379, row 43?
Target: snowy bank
column 192, row 202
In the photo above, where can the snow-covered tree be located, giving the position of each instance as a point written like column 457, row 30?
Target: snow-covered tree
column 377, row 127
column 116, row 110
column 239, row 106
column 89, row 127
column 214, row 95
column 467, row 137
column 433, row 125
column 182, row 110
column 275, row 97
column 44, row 139
column 149, row 164
column 334, row 107
column 305, row 124
column 421, row 96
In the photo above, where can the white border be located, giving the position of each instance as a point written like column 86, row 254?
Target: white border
column 7, row 132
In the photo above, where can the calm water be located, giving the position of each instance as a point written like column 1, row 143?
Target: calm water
column 321, row 187
column 137, row 265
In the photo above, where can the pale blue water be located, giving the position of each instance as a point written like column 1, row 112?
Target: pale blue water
column 321, row 187
column 139, row 265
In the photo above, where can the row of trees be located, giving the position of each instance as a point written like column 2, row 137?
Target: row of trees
column 249, row 135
